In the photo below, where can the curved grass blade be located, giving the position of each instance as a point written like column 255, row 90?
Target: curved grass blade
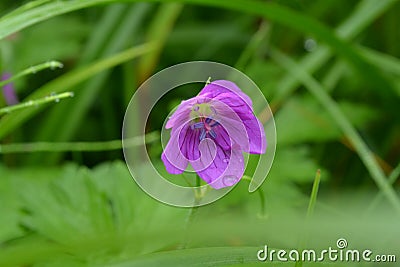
column 77, row 146
column 32, row 70
column 35, row 103
column 112, row 41
column 11, row 121
column 364, row 14
column 11, row 23
column 24, row 8
column 326, row 101
column 271, row 11
column 158, row 32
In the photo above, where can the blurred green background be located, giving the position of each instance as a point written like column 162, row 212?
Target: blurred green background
column 330, row 70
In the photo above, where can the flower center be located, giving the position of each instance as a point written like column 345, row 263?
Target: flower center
column 204, row 123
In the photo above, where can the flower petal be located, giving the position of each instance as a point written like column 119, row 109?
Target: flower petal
column 255, row 130
column 218, row 167
column 181, row 114
column 230, row 94
column 223, row 86
column 173, row 156
column 190, row 144
column 222, row 138
column 231, row 123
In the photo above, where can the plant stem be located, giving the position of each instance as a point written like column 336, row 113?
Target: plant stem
column 261, row 196
column 76, row 146
column 192, row 213
column 32, row 70
column 310, row 212
column 34, row 103
column 314, row 193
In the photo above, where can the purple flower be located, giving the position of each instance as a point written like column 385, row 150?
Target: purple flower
column 8, row 91
column 211, row 131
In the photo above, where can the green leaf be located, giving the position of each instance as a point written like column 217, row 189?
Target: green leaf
column 83, row 213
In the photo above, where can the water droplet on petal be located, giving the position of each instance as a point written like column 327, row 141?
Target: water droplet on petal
column 229, row 180
column 196, row 107
column 225, row 160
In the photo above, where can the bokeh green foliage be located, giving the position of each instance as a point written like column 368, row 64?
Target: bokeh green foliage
column 83, row 209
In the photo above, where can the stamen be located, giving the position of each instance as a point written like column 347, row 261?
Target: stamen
column 208, row 120
column 203, row 134
column 214, row 124
column 213, row 134
column 197, row 125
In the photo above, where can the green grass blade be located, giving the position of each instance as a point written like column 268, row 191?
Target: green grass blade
column 57, row 129
column 386, row 62
column 36, row 103
column 308, row 25
column 271, row 11
column 158, row 32
column 334, row 75
column 11, row 121
column 15, row 22
column 394, row 175
column 77, row 146
column 97, row 44
column 33, row 70
column 258, row 38
column 310, row 212
column 100, row 36
column 326, row 101
column 364, row 14
column 25, row 8
column 314, row 193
